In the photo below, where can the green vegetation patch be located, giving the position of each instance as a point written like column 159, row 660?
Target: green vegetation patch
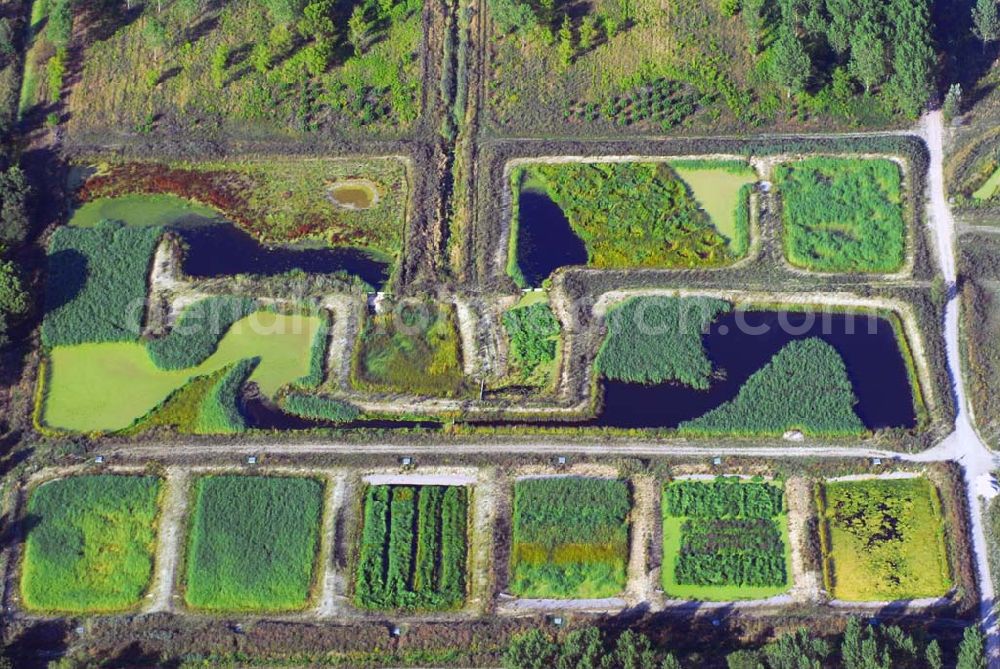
column 843, row 214
column 318, row 407
column 90, row 543
column 219, row 412
column 724, row 540
column 276, row 200
column 253, row 543
column 658, row 339
column 533, row 333
column 108, row 386
column 143, row 209
column 255, row 67
column 989, row 187
column 722, row 189
column 414, row 349
column 96, row 287
column 196, row 333
column 632, row 214
column 570, row 537
column 804, row 387
column 413, row 548
column 883, row 539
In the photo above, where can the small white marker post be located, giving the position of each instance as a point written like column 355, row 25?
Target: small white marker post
column 251, row 459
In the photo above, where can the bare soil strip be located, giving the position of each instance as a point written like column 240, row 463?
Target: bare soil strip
column 171, row 535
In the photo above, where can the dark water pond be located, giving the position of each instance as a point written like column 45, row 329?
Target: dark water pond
column 740, row 343
column 545, row 240
column 224, row 250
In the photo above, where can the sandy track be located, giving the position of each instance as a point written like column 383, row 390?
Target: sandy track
column 334, row 587
column 171, row 533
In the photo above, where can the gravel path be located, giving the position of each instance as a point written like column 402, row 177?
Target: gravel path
column 171, row 532
column 963, row 445
column 334, row 586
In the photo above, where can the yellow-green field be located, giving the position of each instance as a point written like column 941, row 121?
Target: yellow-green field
column 107, row 386
column 989, row 188
column 883, row 539
column 718, row 194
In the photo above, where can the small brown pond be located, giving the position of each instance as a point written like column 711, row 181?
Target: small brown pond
column 354, row 194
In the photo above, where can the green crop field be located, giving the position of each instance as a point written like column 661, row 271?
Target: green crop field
column 724, row 540
column 253, row 543
column 883, row 540
column 413, row 549
column 658, row 339
column 630, row 214
column 413, row 350
column 804, row 387
column 108, row 386
column 570, row 537
column 843, row 214
column 90, row 543
column 275, row 200
column 255, row 68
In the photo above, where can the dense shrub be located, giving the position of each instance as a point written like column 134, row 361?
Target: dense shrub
column 220, row 410
column 196, row 334
column 804, row 387
column 96, row 287
column 729, row 536
column 731, row 552
column 843, row 214
column 723, row 498
column 413, row 548
column 318, row 407
column 532, row 331
column 253, row 542
column 658, row 340
column 570, row 537
column 633, row 215
column 89, row 546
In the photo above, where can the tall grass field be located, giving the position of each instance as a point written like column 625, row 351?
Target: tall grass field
column 413, row 550
column 253, row 543
column 90, row 543
column 570, row 537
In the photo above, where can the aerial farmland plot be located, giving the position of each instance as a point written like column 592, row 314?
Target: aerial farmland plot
column 499, row 333
column 90, row 547
column 253, row 543
column 883, row 539
column 413, row 548
column 570, row 538
column 724, row 540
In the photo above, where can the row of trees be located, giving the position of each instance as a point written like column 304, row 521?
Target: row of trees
column 14, row 228
column 868, row 647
